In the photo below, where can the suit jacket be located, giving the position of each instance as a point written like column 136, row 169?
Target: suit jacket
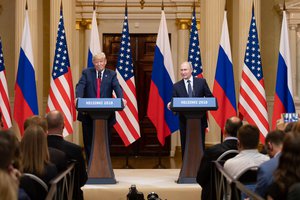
column 58, row 158
column 200, row 89
column 73, row 152
column 87, row 85
column 211, row 154
column 265, row 175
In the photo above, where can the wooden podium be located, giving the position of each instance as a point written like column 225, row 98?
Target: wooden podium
column 193, row 109
column 100, row 109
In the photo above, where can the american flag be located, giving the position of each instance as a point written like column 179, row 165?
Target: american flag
column 4, row 97
column 127, row 120
column 61, row 94
column 194, row 49
column 252, row 101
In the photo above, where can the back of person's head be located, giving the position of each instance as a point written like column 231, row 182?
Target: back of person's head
column 55, row 120
column 36, row 120
column 276, row 137
column 8, row 186
column 288, row 171
column 289, row 127
column 6, row 153
column 8, row 139
column 232, row 126
column 34, row 150
column 248, row 136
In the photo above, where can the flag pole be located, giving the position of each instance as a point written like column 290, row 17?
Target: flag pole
column 26, row 5
column 94, row 5
column 159, row 165
column 284, row 8
column 127, row 165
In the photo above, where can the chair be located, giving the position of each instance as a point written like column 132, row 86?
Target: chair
column 248, row 177
column 35, row 187
column 227, row 155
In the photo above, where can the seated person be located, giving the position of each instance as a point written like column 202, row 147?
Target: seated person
column 248, row 139
column 287, row 172
column 273, row 143
column 230, row 142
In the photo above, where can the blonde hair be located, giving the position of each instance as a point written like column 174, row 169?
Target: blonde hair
column 8, row 187
column 99, row 55
column 34, row 150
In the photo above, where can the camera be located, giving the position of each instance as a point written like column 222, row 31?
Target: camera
column 134, row 194
column 153, row 196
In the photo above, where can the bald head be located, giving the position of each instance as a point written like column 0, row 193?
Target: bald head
column 232, row 126
column 55, row 121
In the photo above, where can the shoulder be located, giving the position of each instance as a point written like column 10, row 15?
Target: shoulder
column 88, row 70
column 199, row 80
column 178, row 83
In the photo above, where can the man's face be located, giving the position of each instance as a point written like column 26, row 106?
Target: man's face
column 99, row 64
column 185, row 70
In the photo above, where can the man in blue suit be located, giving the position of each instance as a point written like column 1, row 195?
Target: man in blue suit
column 97, row 82
column 190, row 86
column 273, row 143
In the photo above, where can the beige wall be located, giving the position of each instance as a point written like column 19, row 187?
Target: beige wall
column 44, row 18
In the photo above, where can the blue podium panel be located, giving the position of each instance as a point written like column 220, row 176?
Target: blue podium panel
column 194, row 104
column 94, row 104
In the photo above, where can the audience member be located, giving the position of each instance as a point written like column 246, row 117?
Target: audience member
column 8, row 187
column 248, row 139
column 57, row 157
column 294, row 192
column 287, row 173
column 230, row 142
column 56, row 125
column 273, row 143
column 35, row 154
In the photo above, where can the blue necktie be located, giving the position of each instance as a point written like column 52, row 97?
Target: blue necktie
column 190, row 91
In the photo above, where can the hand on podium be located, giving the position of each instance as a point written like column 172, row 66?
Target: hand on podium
column 124, row 102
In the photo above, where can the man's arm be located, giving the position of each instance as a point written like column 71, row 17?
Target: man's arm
column 116, row 86
column 80, row 86
column 207, row 91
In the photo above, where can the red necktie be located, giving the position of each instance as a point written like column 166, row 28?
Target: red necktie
column 98, row 84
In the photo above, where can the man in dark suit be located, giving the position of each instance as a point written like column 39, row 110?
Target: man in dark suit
column 190, row 86
column 55, row 140
column 230, row 142
column 97, row 82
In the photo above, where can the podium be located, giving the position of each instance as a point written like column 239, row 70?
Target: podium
column 193, row 109
column 100, row 109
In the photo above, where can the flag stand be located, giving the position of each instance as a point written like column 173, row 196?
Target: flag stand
column 159, row 165
column 127, row 165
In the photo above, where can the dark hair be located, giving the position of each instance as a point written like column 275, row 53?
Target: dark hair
column 232, row 126
column 276, row 137
column 288, row 171
column 9, row 148
column 248, row 136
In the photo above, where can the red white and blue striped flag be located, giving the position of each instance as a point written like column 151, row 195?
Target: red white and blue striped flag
column 95, row 46
column 194, row 56
column 4, row 97
column 283, row 99
column 252, row 100
column 26, row 103
column 127, row 124
column 162, row 80
column 61, row 94
column 223, row 88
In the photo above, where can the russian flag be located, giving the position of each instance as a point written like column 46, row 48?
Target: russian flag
column 162, row 80
column 94, row 47
column 224, row 89
column 283, row 99
column 26, row 103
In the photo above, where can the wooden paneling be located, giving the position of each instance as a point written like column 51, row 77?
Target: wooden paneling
column 142, row 46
